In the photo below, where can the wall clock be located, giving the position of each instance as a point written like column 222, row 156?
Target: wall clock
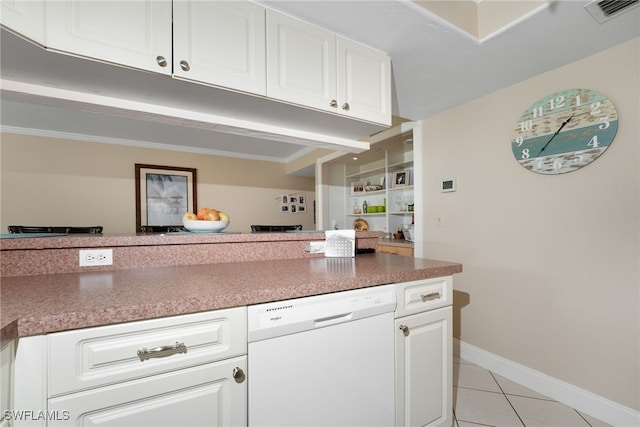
column 564, row 131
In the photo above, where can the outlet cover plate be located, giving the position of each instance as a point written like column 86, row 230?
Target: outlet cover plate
column 95, row 257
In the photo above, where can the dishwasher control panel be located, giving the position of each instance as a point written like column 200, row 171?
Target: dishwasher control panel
column 290, row 316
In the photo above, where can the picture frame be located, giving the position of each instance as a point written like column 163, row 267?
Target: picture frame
column 163, row 195
column 400, row 178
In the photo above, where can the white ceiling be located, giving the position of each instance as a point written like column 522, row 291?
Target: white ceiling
column 435, row 67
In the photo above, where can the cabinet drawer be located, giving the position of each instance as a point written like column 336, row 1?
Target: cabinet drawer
column 422, row 295
column 93, row 357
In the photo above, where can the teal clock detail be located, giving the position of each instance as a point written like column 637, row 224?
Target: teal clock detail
column 564, row 131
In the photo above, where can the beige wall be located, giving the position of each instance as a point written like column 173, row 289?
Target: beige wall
column 551, row 263
column 48, row 181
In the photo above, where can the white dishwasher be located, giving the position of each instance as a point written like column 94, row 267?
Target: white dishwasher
column 325, row 360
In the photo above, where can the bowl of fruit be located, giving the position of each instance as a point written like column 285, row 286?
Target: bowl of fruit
column 207, row 220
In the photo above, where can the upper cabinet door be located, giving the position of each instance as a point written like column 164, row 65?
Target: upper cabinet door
column 220, row 43
column 301, row 63
column 24, row 17
column 364, row 82
column 132, row 33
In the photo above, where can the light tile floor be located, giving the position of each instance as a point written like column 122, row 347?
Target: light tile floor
column 483, row 398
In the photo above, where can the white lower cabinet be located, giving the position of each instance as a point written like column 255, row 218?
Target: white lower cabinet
column 7, row 355
column 186, row 370
column 424, row 357
column 206, row 395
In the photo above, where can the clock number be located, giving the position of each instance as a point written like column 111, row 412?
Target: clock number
column 526, row 125
column 538, row 112
column 519, row 141
column 557, row 164
column 578, row 101
column 605, row 124
column 594, row 142
column 525, row 153
column 595, row 108
column 557, row 102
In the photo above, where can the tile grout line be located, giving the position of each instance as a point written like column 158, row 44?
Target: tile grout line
column 507, row 397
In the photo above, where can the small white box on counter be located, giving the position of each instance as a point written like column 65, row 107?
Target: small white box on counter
column 340, row 243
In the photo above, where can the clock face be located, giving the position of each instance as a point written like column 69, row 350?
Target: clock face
column 564, row 131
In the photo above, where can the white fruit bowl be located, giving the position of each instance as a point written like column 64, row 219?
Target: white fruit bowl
column 198, row 226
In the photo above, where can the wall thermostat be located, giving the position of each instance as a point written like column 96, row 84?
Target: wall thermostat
column 448, row 185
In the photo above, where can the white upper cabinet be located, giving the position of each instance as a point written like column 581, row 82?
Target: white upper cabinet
column 221, row 43
column 313, row 67
column 24, row 17
column 301, row 63
column 133, row 33
column 364, row 82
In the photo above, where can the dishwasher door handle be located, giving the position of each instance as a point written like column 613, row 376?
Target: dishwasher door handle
column 332, row 320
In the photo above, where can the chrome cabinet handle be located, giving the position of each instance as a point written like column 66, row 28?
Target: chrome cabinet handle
column 405, row 330
column 333, row 103
column 161, row 61
column 185, row 65
column 238, row 375
column 167, row 350
column 345, row 106
column 431, row 296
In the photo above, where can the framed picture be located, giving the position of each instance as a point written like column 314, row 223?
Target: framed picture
column 163, row 195
column 401, row 178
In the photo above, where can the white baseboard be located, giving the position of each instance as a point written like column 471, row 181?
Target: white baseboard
column 584, row 401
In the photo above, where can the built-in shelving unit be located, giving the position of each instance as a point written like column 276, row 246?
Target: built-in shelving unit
column 383, row 177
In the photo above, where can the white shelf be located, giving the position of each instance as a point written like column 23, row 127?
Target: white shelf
column 401, row 165
column 405, row 188
column 368, row 172
column 369, row 193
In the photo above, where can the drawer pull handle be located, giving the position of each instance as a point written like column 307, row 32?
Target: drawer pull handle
column 405, row 330
column 431, row 296
column 164, row 351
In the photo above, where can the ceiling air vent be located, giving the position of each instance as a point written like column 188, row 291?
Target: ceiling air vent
column 605, row 10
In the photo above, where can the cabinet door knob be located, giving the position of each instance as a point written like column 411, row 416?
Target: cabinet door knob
column 185, row 65
column 238, row 375
column 405, row 330
column 161, row 61
column 345, row 106
column 333, row 103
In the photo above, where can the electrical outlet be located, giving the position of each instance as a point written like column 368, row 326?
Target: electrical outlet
column 94, row 257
